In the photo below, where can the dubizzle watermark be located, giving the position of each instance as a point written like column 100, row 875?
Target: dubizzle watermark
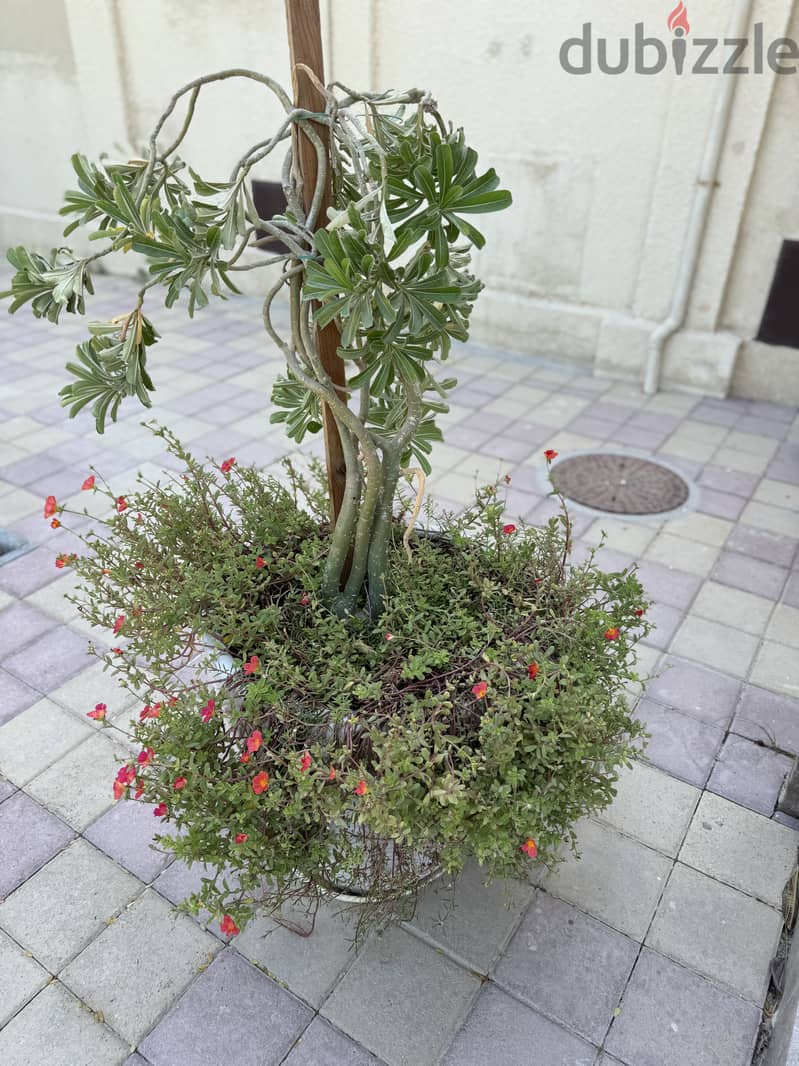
column 683, row 54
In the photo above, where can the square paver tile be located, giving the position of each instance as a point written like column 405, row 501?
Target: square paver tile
column 717, row 931
column 56, row 912
column 6, row 789
column 21, row 977
column 49, row 660
column 308, row 966
column 19, row 625
column 777, row 667
column 702, row 528
column 568, row 966
column 92, row 686
column 695, row 690
column 134, row 969
column 469, row 918
column 770, row 718
column 784, row 626
column 504, row 1032
column 683, row 554
column 232, row 1014
column 615, row 878
column 739, row 609
column 666, row 621
column 56, row 1029
column 402, row 1000
column 665, row 584
column 28, row 572
column 762, row 544
column 126, row 834
column 671, row 1016
column 751, row 575
column 29, row 837
column 741, row 848
column 78, row 787
column 716, row 645
column 36, row 738
column 322, row 1045
column 652, row 807
column 749, row 774
column 15, row 697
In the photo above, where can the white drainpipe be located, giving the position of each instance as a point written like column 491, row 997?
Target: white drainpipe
column 705, row 185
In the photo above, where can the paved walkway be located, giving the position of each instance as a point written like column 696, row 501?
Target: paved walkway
column 652, row 950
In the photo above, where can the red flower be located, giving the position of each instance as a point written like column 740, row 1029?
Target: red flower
column 529, row 848
column 117, row 651
column 126, row 774
column 50, row 507
column 139, row 566
column 88, row 483
column 228, row 926
column 389, row 636
column 207, row 713
column 150, row 712
column 145, row 757
column 532, row 671
column 179, row 783
column 639, row 613
column 241, row 838
column 305, row 599
column 550, row 454
column 64, row 560
column 99, row 712
column 119, row 790
column 260, row 783
column 509, row 528
column 332, row 775
column 119, row 624
column 479, row 690
column 260, row 563
column 305, row 762
column 228, row 465
column 245, row 757
column 252, row 665
column 139, row 790
column 122, row 504
column 254, row 740
column 361, row 789
column 160, row 810
column 612, row 634
column 55, row 524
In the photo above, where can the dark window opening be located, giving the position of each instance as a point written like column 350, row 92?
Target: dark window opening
column 269, row 201
column 780, row 324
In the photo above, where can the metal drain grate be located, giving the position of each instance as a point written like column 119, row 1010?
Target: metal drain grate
column 11, row 546
column 620, row 484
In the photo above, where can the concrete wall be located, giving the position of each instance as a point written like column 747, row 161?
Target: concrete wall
column 603, row 168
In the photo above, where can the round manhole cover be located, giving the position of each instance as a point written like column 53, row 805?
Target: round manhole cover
column 621, row 484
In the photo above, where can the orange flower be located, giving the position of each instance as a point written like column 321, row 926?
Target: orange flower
column 532, row 671
column 55, row 524
column 88, row 483
column 228, row 926
column 255, row 740
column 260, row 563
column 119, row 790
column 361, row 788
column 479, row 690
column 252, row 665
column 529, row 848
column 260, row 783
column 332, row 775
column 50, row 507
column 245, row 757
column 99, row 712
column 612, row 634
column 550, row 454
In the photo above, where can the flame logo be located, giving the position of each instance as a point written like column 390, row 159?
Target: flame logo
column 678, row 19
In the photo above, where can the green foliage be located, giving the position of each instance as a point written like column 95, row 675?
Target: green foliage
column 52, row 285
column 399, row 745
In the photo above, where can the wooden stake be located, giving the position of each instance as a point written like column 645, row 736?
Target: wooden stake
column 305, row 46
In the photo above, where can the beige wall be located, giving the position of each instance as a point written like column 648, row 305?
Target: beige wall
column 602, row 168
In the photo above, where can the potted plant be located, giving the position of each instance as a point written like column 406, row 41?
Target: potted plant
column 397, row 702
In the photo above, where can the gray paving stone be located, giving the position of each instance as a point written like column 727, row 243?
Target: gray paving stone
column 652, row 807
column 36, row 738
column 50, row 660
column 716, row 645
column 760, row 543
column 308, row 965
column 667, row 621
column 6, row 789
column 402, row 1000
column 15, row 696
column 679, row 744
column 126, row 834
column 134, row 969
column 749, row 774
column 751, row 575
column 721, row 504
column 232, row 1014
column 717, row 931
column 55, row 1029
column 741, row 848
column 777, row 667
column 695, row 690
column 664, row 584
column 78, row 787
column 322, row 1045
column 56, row 912
column 29, row 837
column 769, row 718
column 21, row 977
column 19, row 625
column 503, row 1032
column 568, row 966
column 673, row 1017
column 29, row 572
column 615, row 879
column 470, row 918
column 179, row 881
column 136, row 1060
